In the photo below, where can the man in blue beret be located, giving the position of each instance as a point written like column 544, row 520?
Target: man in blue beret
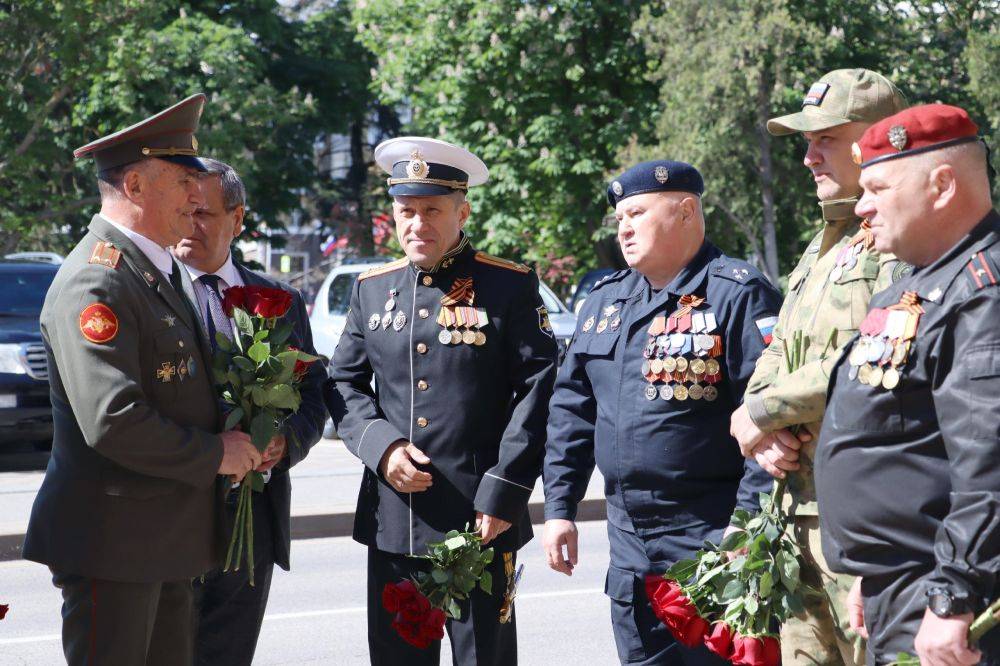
column 661, row 357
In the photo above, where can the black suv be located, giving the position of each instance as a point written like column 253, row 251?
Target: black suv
column 25, row 410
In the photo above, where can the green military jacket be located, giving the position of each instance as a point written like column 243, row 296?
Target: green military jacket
column 131, row 492
column 826, row 306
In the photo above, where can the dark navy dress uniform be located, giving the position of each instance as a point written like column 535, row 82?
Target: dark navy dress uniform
column 907, row 478
column 672, row 473
column 477, row 406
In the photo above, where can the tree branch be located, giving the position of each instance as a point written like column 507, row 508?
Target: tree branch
column 29, row 138
column 68, row 208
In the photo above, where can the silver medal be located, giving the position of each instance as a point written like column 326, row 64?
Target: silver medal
column 399, row 322
column 373, row 321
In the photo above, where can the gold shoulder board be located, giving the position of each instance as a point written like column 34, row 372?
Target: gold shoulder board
column 105, row 254
column 489, row 259
column 383, row 269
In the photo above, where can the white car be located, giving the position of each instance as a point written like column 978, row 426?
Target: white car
column 334, row 296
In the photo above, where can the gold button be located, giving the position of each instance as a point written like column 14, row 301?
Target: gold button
column 424, row 313
column 180, row 343
column 428, row 280
column 422, row 385
column 422, row 422
column 421, row 348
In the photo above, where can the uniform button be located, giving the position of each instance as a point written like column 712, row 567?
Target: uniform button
column 421, row 348
column 180, row 343
column 422, row 422
column 424, row 313
column 422, row 385
column 428, row 280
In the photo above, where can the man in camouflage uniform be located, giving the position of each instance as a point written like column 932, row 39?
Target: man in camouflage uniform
column 828, row 295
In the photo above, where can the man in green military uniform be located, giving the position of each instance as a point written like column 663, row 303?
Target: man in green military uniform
column 129, row 511
column 828, row 294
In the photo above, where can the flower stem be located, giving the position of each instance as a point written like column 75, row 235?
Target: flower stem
column 986, row 621
column 249, row 522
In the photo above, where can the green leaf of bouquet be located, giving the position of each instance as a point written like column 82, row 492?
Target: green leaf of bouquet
column 453, row 610
column 261, row 335
column 282, row 396
column 487, row 556
column 486, row 582
column 788, row 569
column 733, row 611
column 233, row 418
column 764, row 500
column 455, row 542
column 771, row 531
column 281, row 333
column 220, row 376
column 262, row 430
column 750, row 604
column 259, row 352
column 754, row 524
column 259, row 395
column 223, row 342
column 766, row 584
column 732, row 591
column 440, row 576
column 234, row 378
column 734, row 541
column 243, row 363
column 244, row 323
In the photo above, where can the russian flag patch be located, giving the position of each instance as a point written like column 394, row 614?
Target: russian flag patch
column 766, row 328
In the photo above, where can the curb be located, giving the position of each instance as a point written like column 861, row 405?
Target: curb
column 325, row 525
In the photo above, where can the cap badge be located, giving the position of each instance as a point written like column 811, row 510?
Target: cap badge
column 856, row 153
column 661, row 174
column 616, row 187
column 417, row 167
column 194, row 143
column 897, row 137
column 816, row 94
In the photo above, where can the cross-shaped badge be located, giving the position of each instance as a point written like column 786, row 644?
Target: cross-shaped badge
column 166, row 372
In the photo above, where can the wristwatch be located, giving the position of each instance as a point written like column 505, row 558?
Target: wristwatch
column 944, row 604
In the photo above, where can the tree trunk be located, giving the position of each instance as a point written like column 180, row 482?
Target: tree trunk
column 357, row 177
column 768, row 226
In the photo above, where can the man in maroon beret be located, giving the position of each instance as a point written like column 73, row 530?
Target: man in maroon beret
column 906, row 469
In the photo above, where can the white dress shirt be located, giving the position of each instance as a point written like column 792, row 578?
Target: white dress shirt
column 158, row 256
column 229, row 275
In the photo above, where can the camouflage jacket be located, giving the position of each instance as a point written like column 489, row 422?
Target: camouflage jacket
column 826, row 305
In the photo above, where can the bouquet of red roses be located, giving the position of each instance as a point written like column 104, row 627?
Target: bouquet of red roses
column 258, row 374
column 421, row 605
column 730, row 604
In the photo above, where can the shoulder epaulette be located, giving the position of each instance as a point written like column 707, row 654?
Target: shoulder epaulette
column 489, row 259
column 981, row 271
column 384, row 268
column 608, row 279
column 105, row 254
column 735, row 270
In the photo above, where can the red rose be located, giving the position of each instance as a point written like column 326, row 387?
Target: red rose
column 432, row 627
column 267, row 302
column 675, row 610
column 301, row 367
column 756, row 651
column 409, row 632
column 719, row 639
column 234, row 297
column 3, row 610
column 395, row 595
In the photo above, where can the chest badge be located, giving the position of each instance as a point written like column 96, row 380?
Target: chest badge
column 98, row 323
column 169, row 320
column 373, row 321
column 887, row 334
column 165, row 373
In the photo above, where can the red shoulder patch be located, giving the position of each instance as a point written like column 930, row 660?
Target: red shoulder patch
column 98, row 323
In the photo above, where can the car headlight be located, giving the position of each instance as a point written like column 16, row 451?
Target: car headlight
column 10, row 360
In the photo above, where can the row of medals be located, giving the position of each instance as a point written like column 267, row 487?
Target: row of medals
column 876, row 361
column 847, row 258
column 676, row 370
column 461, row 325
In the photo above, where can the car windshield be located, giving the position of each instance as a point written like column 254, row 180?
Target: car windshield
column 23, row 293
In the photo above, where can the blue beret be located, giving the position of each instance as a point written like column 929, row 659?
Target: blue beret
column 655, row 176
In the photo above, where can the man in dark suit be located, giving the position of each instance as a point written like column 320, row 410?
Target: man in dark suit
column 129, row 511
column 228, row 610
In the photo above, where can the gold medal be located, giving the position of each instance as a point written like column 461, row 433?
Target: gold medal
column 680, row 392
column 696, row 392
column 711, row 393
column 698, row 366
column 682, row 364
column 669, row 364
column 712, row 367
column 468, row 337
column 456, row 337
column 900, row 352
column 444, row 337
column 656, row 366
column 875, row 378
column 864, row 373
column 890, row 379
column 480, row 339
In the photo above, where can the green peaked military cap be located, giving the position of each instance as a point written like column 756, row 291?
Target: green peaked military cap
column 839, row 97
column 168, row 135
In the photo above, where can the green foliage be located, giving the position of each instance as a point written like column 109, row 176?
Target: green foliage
column 458, row 566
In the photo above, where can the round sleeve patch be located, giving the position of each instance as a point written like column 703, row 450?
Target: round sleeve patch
column 98, row 323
